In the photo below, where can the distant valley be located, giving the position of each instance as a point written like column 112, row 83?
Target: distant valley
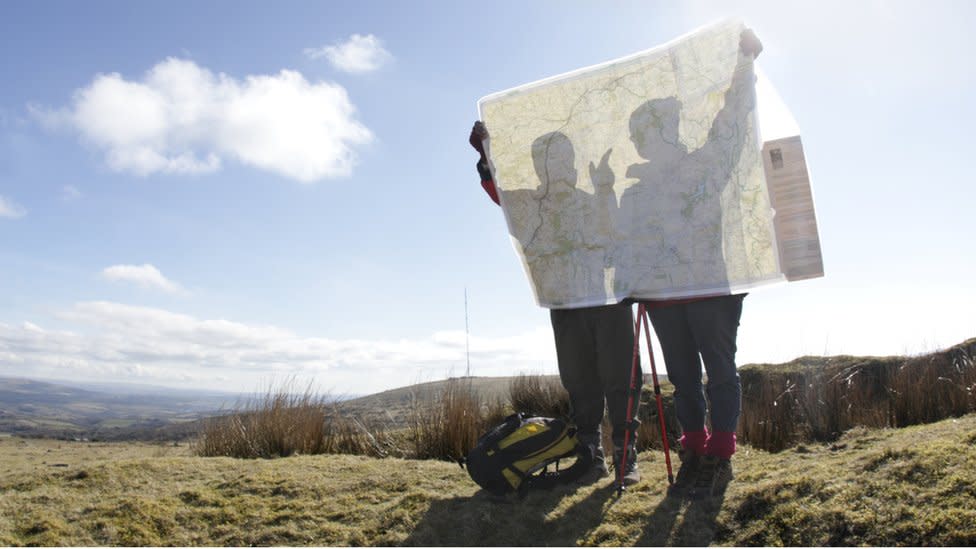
column 108, row 412
column 117, row 412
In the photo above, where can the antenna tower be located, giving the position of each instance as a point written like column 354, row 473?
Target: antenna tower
column 467, row 346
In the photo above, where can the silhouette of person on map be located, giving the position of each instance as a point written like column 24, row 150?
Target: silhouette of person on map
column 677, row 201
column 566, row 245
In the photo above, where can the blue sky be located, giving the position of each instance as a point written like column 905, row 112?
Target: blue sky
column 219, row 194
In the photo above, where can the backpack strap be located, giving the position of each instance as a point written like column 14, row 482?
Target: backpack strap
column 548, row 480
column 515, row 471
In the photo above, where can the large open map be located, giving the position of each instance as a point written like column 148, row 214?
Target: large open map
column 640, row 178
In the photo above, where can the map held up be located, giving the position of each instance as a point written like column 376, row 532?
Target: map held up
column 640, row 178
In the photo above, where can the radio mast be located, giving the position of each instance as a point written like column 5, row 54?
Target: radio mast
column 467, row 346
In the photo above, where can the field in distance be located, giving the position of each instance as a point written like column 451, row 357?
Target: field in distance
column 108, row 412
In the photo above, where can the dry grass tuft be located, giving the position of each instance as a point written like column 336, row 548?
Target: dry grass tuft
column 447, row 426
column 818, row 399
column 539, row 396
column 281, row 423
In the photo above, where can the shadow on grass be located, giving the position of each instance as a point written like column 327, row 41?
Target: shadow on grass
column 657, row 533
column 483, row 520
column 545, row 518
column 698, row 527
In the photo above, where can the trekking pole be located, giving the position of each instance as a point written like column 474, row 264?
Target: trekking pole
column 631, row 409
column 657, row 396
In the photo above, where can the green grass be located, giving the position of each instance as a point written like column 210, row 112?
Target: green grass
column 892, row 487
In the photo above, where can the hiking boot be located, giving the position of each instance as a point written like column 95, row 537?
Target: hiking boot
column 595, row 473
column 687, row 474
column 630, row 473
column 714, row 475
column 599, row 468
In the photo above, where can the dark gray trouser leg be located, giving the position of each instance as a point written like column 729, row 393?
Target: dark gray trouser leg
column 576, row 358
column 715, row 323
column 708, row 327
column 615, row 353
column 683, row 365
column 594, row 346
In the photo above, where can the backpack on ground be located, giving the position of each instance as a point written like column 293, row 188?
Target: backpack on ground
column 515, row 455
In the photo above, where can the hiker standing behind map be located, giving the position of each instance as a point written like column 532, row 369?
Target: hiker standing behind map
column 593, row 344
column 695, row 330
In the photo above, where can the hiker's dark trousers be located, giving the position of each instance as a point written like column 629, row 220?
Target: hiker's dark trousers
column 691, row 333
column 594, row 347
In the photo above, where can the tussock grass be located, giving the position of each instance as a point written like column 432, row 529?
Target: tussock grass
column 539, row 396
column 283, row 422
column 875, row 487
column 819, row 398
column 448, row 426
column 936, row 386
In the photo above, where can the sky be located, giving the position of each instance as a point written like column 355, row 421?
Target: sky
column 226, row 194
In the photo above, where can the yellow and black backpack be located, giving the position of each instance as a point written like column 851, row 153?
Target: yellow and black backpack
column 515, row 455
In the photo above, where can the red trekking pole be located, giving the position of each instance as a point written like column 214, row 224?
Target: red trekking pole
column 642, row 318
column 658, row 398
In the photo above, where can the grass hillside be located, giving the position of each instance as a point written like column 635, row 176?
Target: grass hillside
column 396, row 405
column 909, row 486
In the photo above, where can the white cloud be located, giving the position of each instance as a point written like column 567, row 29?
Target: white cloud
column 11, row 209
column 183, row 119
column 359, row 54
column 127, row 342
column 146, row 276
column 70, row 192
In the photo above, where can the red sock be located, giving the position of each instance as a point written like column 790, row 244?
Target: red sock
column 694, row 441
column 720, row 444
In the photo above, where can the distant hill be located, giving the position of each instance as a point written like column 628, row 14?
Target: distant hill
column 395, row 404
column 59, row 410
